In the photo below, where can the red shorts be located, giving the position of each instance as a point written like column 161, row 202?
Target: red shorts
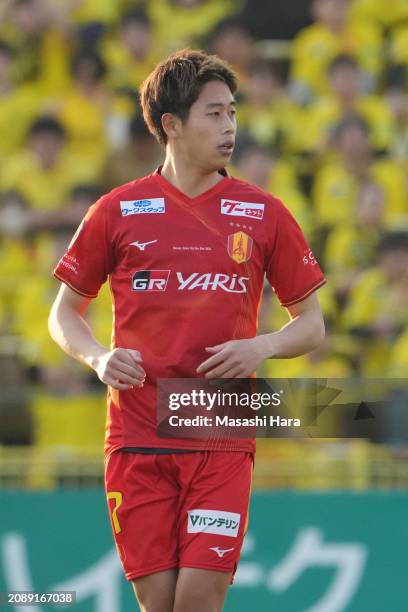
column 178, row 510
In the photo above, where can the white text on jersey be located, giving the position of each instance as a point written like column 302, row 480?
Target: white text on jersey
column 230, row 284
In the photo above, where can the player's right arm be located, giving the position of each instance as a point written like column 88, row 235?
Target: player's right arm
column 120, row 368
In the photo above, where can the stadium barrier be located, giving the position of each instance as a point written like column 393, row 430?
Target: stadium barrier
column 304, row 552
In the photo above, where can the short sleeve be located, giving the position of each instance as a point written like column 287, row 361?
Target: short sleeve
column 291, row 268
column 89, row 258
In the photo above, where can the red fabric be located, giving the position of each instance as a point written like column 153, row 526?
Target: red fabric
column 152, row 526
column 203, row 262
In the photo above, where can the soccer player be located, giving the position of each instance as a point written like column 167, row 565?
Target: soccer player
column 186, row 250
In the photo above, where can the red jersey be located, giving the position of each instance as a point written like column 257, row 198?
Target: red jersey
column 185, row 273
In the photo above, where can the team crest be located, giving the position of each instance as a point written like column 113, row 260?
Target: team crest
column 240, row 247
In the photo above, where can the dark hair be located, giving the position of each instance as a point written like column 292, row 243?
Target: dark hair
column 396, row 77
column 343, row 60
column 90, row 56
column 246, row 144
column 138, row 128
column 135, row 16
column 176, row 83
column 47, row 124
column 351, row 120
column 87, row 191
column 393, row 241
column 15, row 196
column 266, row 68
column 6, row 49
column 229, row 24
column 19, row 3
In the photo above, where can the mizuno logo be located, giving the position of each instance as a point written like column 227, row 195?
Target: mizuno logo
column 221, row 552
column 142, row 245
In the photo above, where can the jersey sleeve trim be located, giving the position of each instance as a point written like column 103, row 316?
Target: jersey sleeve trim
column 79, row 291
column 305, row 295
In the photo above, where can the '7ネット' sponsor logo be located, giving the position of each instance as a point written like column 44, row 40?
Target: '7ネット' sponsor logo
column 234, row 208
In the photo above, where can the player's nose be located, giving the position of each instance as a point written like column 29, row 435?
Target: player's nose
column 229, row 125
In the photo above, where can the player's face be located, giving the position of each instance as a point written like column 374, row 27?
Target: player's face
column 208, row 134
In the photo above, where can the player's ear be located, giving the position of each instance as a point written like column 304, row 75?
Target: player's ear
column 171, row 125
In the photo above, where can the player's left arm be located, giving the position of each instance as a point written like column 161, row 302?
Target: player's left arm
column 240, row 358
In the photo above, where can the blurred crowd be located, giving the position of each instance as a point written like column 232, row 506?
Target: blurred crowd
column 323, row 125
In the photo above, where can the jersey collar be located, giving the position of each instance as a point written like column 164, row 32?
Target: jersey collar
column 172, row 190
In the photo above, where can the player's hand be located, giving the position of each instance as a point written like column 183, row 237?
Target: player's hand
column 120, row 369
column 232, row 359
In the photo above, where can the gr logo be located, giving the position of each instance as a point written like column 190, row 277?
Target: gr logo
column 150, row 280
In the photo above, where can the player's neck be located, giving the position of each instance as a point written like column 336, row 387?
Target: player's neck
column 187, row 177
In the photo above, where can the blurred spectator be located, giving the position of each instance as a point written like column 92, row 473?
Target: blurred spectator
column 16, row 261
column 351, row 247
column 71, row 214
column 330, row 360
column 333, row 33
column 93, row 116
column 398, row 366
column 324, row 360
column 375, row 11
column 15, row 216
column 134, row 55
column 181, row 23
column 277, row 20
column 136, row 159
column 377, row 311
column 39, row 31
column 336, row 183
column 399, row 44
column 267, row 112
column 397, row 99
column 30, row 321
column 44, row 172
column 80, row 199
column 230, row 40
column 18, row 104
column 347, row 96
column 259, row 166
column 85, row 12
